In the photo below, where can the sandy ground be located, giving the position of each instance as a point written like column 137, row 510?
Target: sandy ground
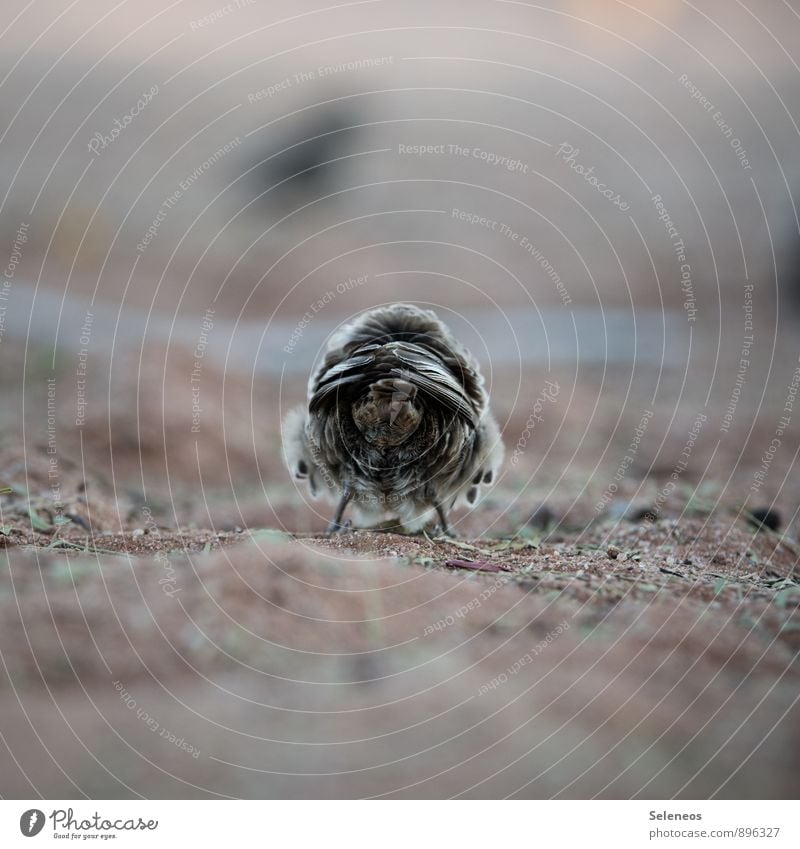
column 608, row 621
column 174, row 623
column 612, row 656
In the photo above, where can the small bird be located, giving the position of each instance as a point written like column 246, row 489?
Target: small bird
column 397, row 422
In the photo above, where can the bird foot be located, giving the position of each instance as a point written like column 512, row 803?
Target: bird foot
column 340, row 527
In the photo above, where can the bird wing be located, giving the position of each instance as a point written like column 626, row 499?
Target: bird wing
column 329, row 390
column 406, row 360
column 426, row 371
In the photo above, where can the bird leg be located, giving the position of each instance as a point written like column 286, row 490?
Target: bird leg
column 443, row 523
column 336, row 526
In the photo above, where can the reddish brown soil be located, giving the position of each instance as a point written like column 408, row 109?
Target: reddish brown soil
column 562, row 650
column 651, row 659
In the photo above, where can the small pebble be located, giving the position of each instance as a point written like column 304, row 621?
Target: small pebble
column 642, row 514
column 766, row 517
column 542, row 518
column 138, row 532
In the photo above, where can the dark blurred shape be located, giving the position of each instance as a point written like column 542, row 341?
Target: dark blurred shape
column 787, row 269
column 367, row 669
column 767, row 517
column 299, row 162
column 542, row 518
column 641, row 513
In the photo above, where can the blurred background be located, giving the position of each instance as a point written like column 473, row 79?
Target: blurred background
column 599, row 193
column 601, row 190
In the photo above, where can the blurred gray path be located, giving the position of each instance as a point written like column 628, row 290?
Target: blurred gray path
column 550, row 336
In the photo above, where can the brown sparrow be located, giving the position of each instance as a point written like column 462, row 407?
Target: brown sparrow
column 397, row 421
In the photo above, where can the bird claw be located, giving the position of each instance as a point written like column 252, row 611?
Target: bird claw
column 340, row 527
column 442, row 527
